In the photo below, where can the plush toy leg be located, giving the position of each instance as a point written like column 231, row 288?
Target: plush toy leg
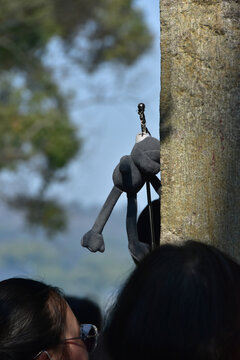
column 156, row 184
column 137, row 249
column 93, row 239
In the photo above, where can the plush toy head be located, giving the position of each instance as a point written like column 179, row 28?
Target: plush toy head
column 134, row 169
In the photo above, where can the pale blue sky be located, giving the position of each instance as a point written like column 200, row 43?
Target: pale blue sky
column 104, row 108
column 109, row 126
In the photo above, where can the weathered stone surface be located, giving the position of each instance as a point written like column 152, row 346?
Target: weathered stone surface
column 200, row 122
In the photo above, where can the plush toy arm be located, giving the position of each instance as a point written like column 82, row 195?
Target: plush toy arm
column 137, row 249
column 93, row 239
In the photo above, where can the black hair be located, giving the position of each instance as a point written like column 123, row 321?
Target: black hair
column 85, row 310
column 32, row 318
column 181, row 303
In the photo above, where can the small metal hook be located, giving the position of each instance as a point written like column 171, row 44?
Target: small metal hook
column 141, row 109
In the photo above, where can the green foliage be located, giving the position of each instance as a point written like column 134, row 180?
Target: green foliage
column 26, row 26
column 112, row 31
column 40, row 212
column 57, row 140
column 34, row 119
column 31, row 127
column 115, row 32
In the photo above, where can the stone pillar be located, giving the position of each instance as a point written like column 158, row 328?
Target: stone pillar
column 200, row 122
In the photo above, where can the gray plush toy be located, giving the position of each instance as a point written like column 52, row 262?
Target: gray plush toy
column 130, row 175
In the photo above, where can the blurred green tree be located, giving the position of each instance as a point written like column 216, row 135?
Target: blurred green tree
column 34, row 120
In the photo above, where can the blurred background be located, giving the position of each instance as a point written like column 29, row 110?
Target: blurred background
column 72, row 74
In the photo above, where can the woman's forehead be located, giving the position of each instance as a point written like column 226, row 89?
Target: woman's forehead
column 72, row 326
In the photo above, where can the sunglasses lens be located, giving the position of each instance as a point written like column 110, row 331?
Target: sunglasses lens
column 89, row 335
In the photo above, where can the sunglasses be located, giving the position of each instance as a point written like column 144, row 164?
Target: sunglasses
column 88, row 335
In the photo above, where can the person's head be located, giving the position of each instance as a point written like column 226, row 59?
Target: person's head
column 37, row 323
column 180, row 303
column 85, row 310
